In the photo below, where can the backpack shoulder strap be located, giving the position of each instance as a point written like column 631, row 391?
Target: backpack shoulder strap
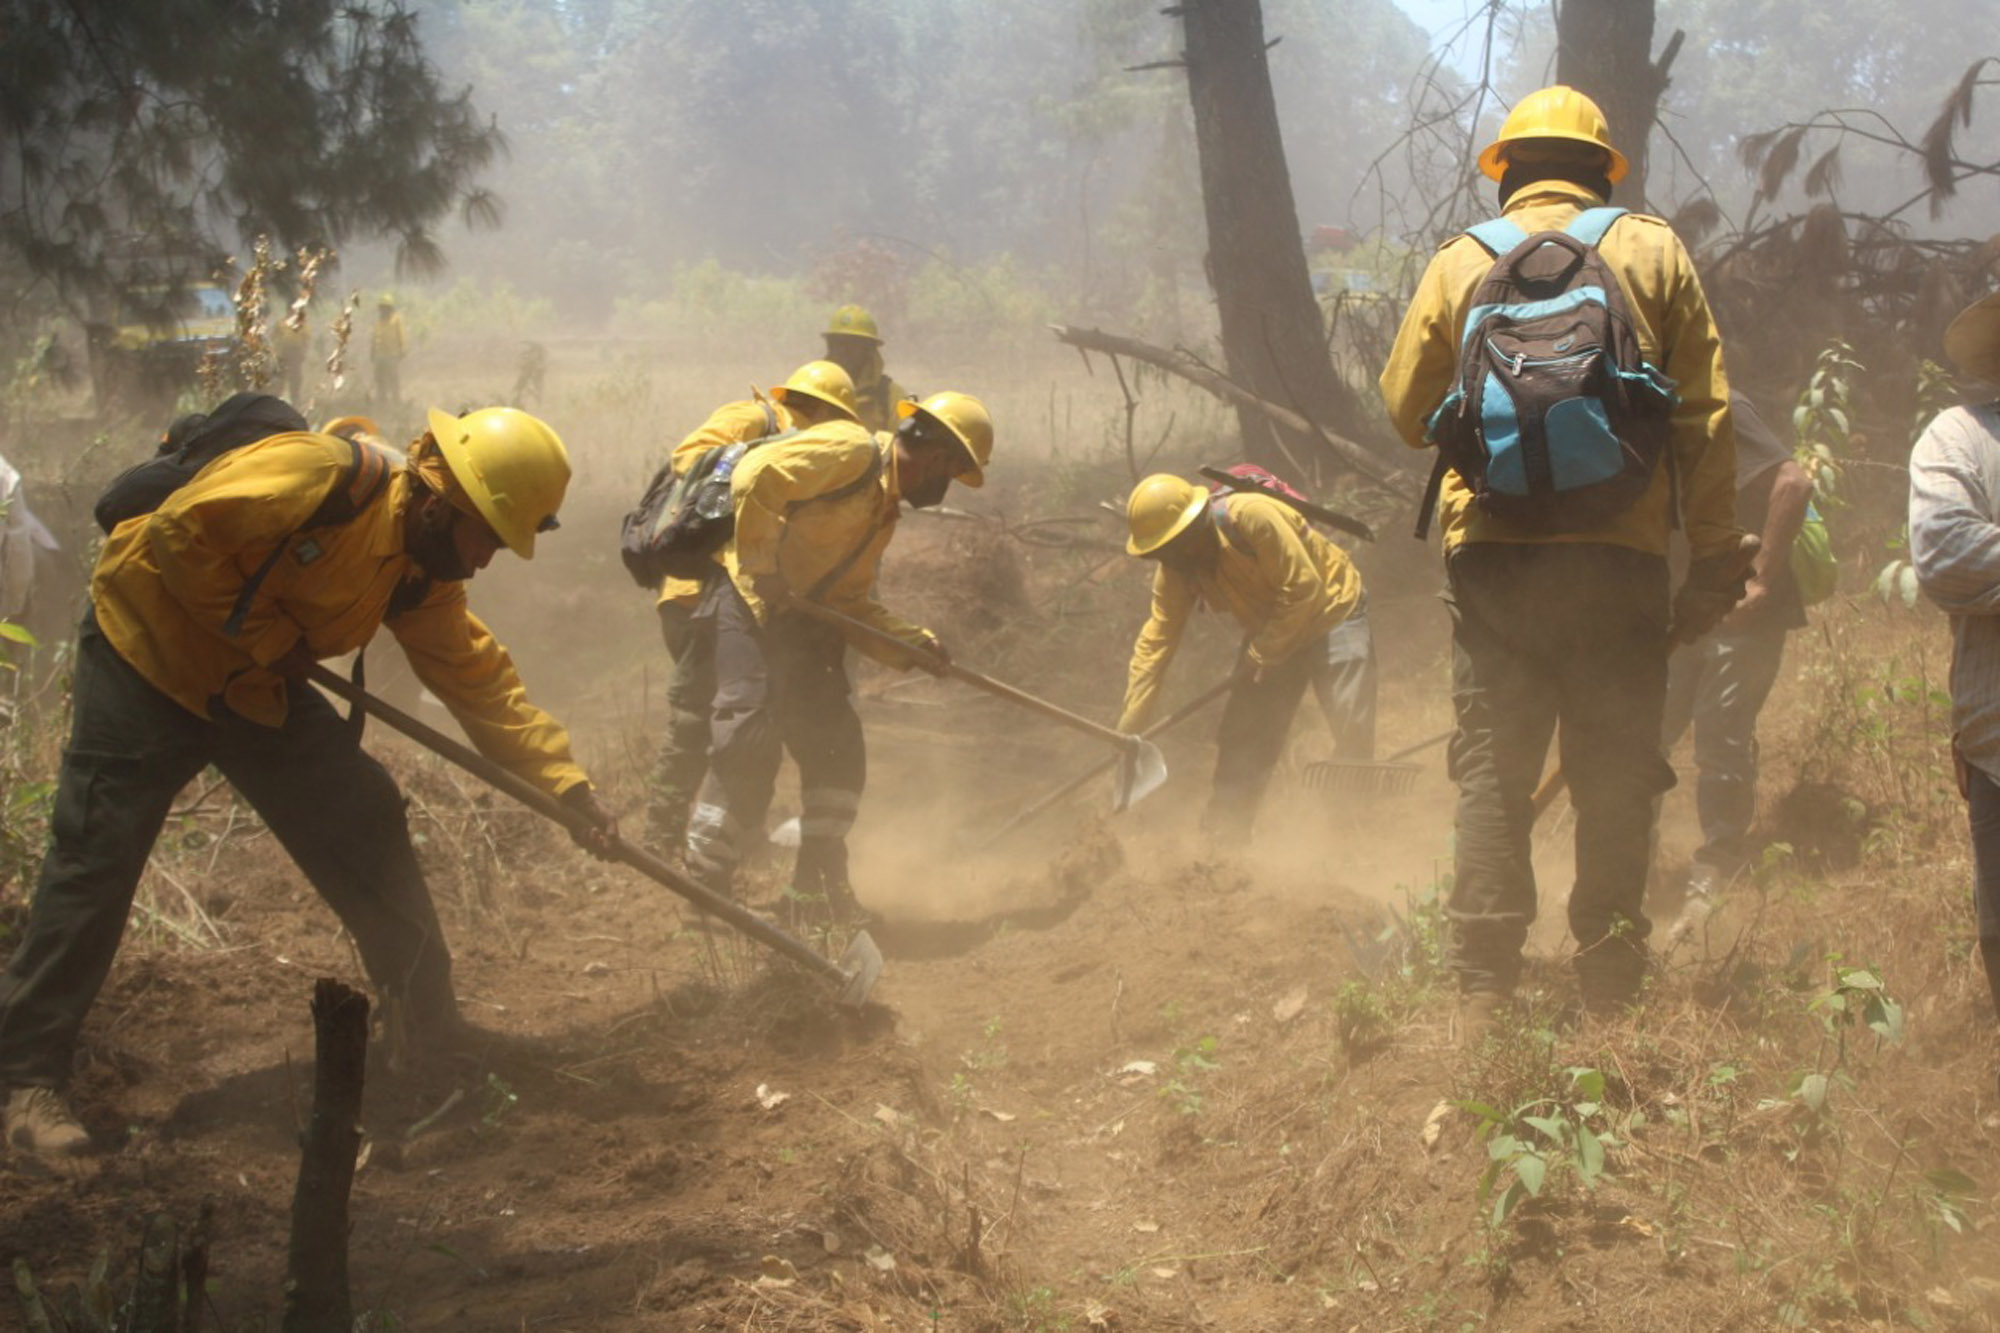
column 368, row 470
column 365, row 477
column 1498, row 236
column 1218, row 512
column 1591, row 224
column 834, row 575
column 869, row 476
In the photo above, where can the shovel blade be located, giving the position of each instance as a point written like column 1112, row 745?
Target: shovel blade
column 861, row 964
column 1141, row 772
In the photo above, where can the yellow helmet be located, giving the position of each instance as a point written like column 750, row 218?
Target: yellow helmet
column 853, row 321
column 348, row 428
column 1160, row 510
column 1557, row 112
column 512, row 466
column 825, row 381
column 387, row 299
column 967, row 419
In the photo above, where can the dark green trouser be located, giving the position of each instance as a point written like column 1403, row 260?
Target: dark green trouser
column 131, row 750
column 1256, row 722
column 683, row 757
column 1574, row 633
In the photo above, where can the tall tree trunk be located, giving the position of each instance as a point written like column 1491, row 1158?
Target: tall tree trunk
column 1605, row 48
column 1273, row 337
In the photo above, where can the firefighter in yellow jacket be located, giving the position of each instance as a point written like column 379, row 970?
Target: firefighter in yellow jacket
column 388, row 344
column 814, row 514
column 854, row 343
column 204, row 616
column 1570, row 625
column 1300, row 603
column 817, row 391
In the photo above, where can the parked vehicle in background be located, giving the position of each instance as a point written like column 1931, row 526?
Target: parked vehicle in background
column 149, row 348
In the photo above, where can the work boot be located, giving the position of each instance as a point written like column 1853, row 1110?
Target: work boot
column 845, row 907
column 40, row 1123
column 1478, row 1017
column 1704, row 883
column 1609, row 975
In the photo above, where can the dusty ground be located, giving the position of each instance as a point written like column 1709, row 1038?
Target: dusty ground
column 1113, row 1077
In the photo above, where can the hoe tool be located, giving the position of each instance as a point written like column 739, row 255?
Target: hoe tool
column 854, row 975
column 1141, row 767
column 1179, row 715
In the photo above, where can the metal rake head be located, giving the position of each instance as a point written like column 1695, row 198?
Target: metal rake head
column 1361, row 779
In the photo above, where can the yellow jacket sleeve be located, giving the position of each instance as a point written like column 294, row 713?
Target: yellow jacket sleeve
column 855, row 597
column 1424, row 359
column 1173, row 603
column 1297, row 585
column 210, row 536
column 458, row 660
column 1704, row 433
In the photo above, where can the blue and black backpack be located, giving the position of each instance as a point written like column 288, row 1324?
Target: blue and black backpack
column 1555, row 420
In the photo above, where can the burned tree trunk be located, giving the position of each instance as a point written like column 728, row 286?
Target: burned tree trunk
column 1605, row 48
column 1273, row 338
column 316, row 1295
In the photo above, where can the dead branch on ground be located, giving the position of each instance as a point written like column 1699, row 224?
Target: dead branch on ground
column 1355, row 455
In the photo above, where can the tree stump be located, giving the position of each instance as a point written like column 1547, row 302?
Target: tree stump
column 316, row 1295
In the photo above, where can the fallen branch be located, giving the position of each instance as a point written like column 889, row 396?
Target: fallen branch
column 1355, row 455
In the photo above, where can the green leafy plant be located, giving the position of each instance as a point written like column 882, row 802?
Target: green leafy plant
column 1823, row 422
column 1543, row 1140
column 1192, row 1064
column 497, row 1100
column 1361, row 1018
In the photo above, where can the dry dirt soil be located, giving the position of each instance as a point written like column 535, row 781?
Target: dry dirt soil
column 1113, row 1077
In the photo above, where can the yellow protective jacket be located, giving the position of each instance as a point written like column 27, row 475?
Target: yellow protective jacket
column 1285, row 583
column 389, row 339
column 1675, row 331
column 732, row 423
column 827, row 548
column 167, row 582
column 875, row 402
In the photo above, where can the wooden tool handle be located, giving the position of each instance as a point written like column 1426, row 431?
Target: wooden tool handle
column 576, row 822
column 999, row 689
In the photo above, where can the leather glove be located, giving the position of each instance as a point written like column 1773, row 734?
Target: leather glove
column 1711, row 590
column 931, row 655
column 601, row 841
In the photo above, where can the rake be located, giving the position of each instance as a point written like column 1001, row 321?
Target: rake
column 1374, row 777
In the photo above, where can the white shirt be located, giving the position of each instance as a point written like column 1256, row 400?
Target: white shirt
column 1955, row 546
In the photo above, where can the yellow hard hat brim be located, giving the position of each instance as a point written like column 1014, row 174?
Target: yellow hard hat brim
column 446, row 431
column 782, row 394
column 1188, row 516
column 850, row 333
column 1493, row 165
column 973, row 477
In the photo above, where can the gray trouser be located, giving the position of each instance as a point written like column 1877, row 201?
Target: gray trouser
column 1574, row 633
column 131, row 750
column 1720, row 685
column 780, row 686
column 1340, row 668
column 683, row 757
